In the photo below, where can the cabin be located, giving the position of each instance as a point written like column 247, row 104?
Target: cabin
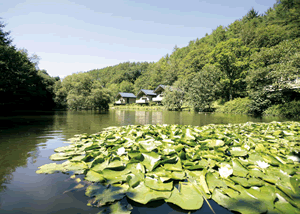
column 160, row 93
column 145, row 96
column 125, row 98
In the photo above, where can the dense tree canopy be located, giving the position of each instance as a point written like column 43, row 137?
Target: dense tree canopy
column 257, row 56
column 22, row 85
column 252, row 54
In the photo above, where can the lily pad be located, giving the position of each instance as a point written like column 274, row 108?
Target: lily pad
column 143, row 194
column 186, row 197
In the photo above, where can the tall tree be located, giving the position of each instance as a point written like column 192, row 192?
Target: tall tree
column 232, row 58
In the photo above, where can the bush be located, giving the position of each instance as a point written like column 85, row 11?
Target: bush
column 290, row 109
column 236, row 106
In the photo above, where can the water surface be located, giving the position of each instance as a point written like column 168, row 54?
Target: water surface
column 27, row 141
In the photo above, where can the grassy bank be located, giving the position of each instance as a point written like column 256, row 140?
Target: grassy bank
column 145, row 107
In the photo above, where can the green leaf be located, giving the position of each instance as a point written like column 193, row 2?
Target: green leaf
column 50, row 168
column 76, row 167
column 238, row 169
column 186, row 197
column 143, row 194
column 158, row 185
column 245, row 206
column 58, row 156
column 151, row 160
column 117, row 208
column 214, row 143
column 102, row 196
column 174, row 167
column 94, row 176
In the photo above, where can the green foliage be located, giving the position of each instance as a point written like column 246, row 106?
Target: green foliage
column 236, row 106
column 204, row 88
column 248, row 168
column 232, row 58
column 174, row 96
column 81, row 91
column 290, row 109
column 22, row 85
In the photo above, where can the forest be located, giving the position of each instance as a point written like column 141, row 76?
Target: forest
column 250, row 66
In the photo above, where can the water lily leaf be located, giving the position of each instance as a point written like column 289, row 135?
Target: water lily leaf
column 295, row 185
column 158, row 185
column 58, row 156
column 257, row 173
column 253, row 158
column 76, row 167
column 65, row 148
column 102, row 196
column 149, row 145
column 174, row 167
column 94, row 176
column 213, row 182
column 50, row 168
column 77, row 158
column 231, row 193
column 248, row 206
column 117, row 208
column 214, row 143
column 255, row 182
column 242, row 181
column 143, row 194
column 284, row 206
column 186, row 197
column 238, row 151
column 134, row 179
column 150, row 160
column 99, row 165
column 265, row 194
column 115, row 176
column 238, row 169
column 116, row 163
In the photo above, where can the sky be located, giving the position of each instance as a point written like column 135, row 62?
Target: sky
column 73, row 36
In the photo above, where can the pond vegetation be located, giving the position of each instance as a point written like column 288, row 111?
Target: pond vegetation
column 247, row 168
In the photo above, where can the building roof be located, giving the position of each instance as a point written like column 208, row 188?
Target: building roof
column 162, row 86
column 129, row 95
column 147, row 92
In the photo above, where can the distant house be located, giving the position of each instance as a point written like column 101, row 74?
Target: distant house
column 160, row 93
column 125, row 98
column 145, row 96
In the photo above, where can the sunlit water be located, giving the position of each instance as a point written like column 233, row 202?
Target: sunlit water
column 27, row 141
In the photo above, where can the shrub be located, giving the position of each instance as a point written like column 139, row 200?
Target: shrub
column 236, row 106
column 290, row 109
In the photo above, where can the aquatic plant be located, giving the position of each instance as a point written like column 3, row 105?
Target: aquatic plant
column 247, row 168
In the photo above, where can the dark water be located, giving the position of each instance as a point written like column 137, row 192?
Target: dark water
column 27, row 141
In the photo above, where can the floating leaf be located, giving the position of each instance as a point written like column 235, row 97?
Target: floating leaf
column 238, row 169
column 186, row 197
column 102, row 196
column 50, row 168
column 156, row 184
column 143, row 194
column 94, row 176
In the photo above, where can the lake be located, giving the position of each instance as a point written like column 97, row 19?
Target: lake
column 27, row 141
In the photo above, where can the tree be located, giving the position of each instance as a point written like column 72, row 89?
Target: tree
column 174, row 96
column 273, row 71
column 232, row 58
column 81, row 91
column 204, row 88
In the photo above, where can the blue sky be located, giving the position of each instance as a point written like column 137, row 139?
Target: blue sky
column 73, row 36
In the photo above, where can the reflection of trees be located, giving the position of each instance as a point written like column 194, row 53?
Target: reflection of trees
column 19, row 141
column 142, row 117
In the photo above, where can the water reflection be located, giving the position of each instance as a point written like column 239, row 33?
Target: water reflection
column 27, row 141
column 19, row 139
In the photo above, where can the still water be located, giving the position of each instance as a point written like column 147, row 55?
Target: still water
column 27, row 141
